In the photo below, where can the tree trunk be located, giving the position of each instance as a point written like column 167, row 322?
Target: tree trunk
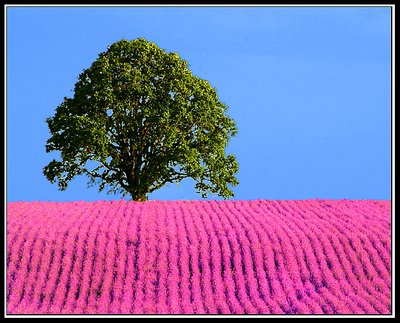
column 139, row 197
column 142, row 198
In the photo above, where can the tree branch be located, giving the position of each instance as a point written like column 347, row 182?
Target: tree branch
column 178, row 176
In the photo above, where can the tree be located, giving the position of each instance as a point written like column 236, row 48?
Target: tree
column 140, row 119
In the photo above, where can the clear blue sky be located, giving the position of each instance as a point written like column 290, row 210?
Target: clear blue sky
column 309, row 89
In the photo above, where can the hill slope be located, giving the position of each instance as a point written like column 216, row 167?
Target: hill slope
column 199, row 257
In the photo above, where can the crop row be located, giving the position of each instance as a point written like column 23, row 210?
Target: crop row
column 199, row 257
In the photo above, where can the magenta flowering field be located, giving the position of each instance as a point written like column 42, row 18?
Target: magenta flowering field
column 199, row 257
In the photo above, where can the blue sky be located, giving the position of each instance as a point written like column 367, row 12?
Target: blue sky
column 309, row 89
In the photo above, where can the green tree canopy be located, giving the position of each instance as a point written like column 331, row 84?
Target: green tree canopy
column 139, row 119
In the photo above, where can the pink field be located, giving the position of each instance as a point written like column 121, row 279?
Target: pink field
column 199, row 257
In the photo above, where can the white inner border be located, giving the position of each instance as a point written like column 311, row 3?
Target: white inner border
column 206, row 316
